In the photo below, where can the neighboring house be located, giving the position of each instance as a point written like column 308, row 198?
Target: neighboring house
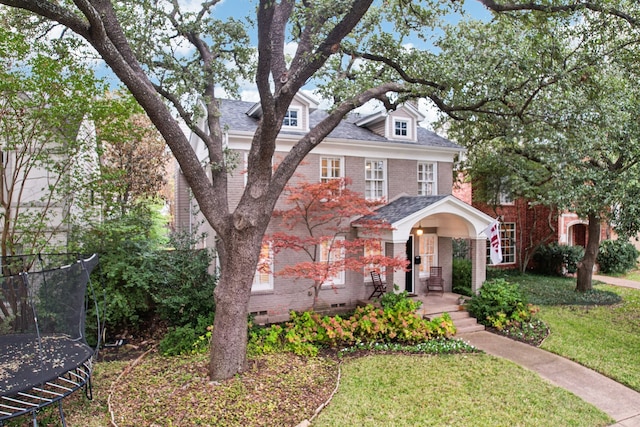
column 386, row 156
column 524, row 226
column 40, row 199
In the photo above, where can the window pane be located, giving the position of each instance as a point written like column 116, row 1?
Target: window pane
column 426, row 179
column 263, row 279
column 428, row 252
column 508, row 243
column 330, row 168
column 375, row 179
column 333, row 254
column 400, row 128
column 291, row 118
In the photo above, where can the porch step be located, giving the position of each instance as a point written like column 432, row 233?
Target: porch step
column 462, row 320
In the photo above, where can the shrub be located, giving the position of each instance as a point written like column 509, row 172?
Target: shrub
column 461, row 280
column 499, row 304
column 128, row 248
column 186, row 339
column 306, row 332
column 183, row 288
column 617, row 256
column 399, row 301
column 556, row 260
column 461, row 248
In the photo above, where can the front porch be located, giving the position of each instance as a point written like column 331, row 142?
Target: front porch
column 435, row 304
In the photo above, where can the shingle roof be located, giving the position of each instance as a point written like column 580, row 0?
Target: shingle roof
column 402, row 207
column 233, row 116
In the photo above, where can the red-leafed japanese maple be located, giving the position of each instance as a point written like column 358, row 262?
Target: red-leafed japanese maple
column 318, row 220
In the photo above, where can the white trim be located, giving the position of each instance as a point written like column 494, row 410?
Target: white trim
column 368, row 181
column 299, row 119
column 355, row 148
column 410, row 128
column 435, row 177
column 450, row 216
column 341, row 159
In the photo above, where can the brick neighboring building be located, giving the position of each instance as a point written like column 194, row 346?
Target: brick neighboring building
column 525, row 226
column 386, row 155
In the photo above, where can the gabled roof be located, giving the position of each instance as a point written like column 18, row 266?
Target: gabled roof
column 234, row 116
column 381, row 115
column 450, row 216
column 308, row 100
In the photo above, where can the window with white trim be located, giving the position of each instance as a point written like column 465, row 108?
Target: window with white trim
column 507, row 242
column 263, row 278
column 292, row 118
column 426, row 179
column 401, row 128
column 372, row 249
column 375, row 179
column 504, row 198
column 331, row 168
column 332, row 253
column 428, row 251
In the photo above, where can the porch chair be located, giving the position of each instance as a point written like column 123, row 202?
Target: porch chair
column 435, row 282
column 379, row 287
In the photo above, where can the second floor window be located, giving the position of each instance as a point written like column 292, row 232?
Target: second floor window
column 330, row 168
column 291, row 119
column 375, row 178
column 426, row 179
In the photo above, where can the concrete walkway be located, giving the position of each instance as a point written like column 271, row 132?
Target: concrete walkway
column 616, row 281
column 618, row 401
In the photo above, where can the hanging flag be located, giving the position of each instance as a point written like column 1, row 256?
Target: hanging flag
column 495, row 249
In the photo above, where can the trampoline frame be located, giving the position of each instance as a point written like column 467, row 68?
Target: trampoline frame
column 53, row 391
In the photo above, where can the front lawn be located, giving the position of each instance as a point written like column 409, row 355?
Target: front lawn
column 603, row 338
column 599, row 329
column 452, row 390
column 381, row 389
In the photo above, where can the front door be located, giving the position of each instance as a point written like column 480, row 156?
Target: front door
column 408, row 278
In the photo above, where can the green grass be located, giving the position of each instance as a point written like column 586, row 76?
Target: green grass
column 461, row 390
column 604, row 338
column 599, row 329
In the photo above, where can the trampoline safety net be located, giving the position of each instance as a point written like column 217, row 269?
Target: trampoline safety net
column 44, row 355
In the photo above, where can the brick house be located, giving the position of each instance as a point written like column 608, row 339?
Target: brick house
column 386, row 156
column 525, row 226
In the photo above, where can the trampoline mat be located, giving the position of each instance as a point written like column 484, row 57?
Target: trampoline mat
column 22, row 368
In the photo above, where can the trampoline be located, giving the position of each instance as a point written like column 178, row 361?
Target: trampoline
column 44, row 355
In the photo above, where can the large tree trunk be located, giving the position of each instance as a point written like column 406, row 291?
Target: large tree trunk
column 585, row 267
column 238, row 259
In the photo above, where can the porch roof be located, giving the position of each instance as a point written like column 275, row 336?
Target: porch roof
column 446, row 214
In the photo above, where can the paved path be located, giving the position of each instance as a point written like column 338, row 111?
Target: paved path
column 618, row 401
column 617, row 281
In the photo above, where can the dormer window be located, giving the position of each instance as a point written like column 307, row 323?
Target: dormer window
column 292, row 118
column 401, row 128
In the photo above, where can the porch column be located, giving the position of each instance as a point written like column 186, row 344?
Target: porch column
column 478, row 263
column 395, row 277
